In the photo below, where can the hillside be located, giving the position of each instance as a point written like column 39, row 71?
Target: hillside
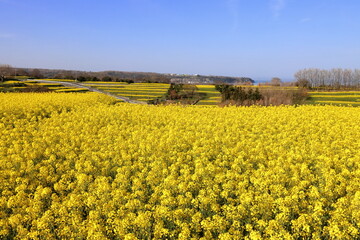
column 131, row 76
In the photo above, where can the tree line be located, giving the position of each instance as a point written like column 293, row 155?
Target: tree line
column 8, row 72
column 336, row 78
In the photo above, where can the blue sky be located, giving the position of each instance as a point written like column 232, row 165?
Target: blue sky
column 260, row 39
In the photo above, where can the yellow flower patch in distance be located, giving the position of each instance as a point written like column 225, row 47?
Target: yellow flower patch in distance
column 10, row 82
column 71, row 90
column 104, row 83
column 59, row 80
column 205, row 86
column 134, row 95
column 337, row 102
column 336, row 96
column 136, row 92
column 334, row 92
column 18, row 87
column 210, row 100
column 48, row 84
column 141, row 90
column 144, row 88
column 106, row 86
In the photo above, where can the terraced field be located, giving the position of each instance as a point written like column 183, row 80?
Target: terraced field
column 213, row 96
column 335, row 98
column 149, row 91
column 136, row 91
column 56, row 87
column 323, row 98
column 56, row 80
column 14, row 85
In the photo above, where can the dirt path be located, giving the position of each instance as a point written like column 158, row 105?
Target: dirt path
column 79, row 85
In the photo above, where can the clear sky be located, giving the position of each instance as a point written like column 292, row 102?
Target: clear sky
column 260, row 39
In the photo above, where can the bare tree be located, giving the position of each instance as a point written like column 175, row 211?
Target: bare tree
column 335, row 78
column 356, row 78
column 347, row 75
column 275, row 81
column 21, row 72
column 35, row 73
column 5, row 70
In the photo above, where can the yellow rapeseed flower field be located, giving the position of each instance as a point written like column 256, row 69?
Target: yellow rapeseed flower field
column 77, row 166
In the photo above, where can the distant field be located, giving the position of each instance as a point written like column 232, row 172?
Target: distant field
column 60, row 80
column 20, row 85
column 135, row 91
column 21, row 77
column 335, row 98
column 149, row 91
column 56, row 87
column 213, row 97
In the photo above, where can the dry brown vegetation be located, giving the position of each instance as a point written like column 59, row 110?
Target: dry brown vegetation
column 276, row 97
column 273, row 97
